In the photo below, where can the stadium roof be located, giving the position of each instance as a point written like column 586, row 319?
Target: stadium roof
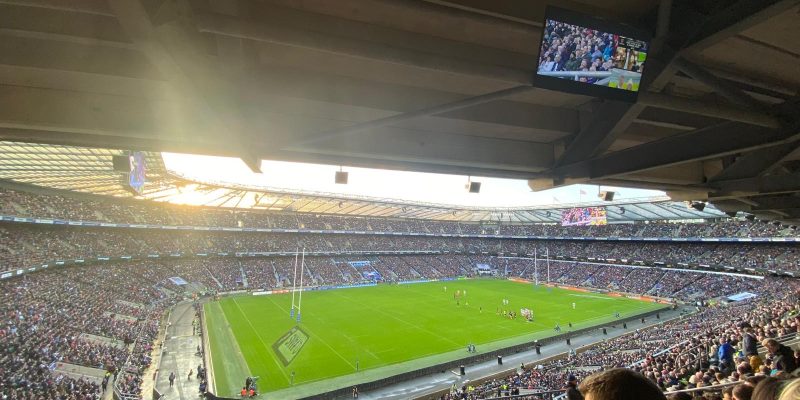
column 90, row 171
column 81, row 169
column 426, row 85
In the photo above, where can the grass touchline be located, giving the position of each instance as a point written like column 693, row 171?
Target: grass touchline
column 388, row 329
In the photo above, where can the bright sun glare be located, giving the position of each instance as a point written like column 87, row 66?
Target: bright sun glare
column 377, row 183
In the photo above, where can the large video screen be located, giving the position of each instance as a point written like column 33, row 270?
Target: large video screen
column 581, row 54
column 138, row 171
column 584, row 216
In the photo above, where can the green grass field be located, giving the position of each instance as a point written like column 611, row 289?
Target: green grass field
column 387, row 329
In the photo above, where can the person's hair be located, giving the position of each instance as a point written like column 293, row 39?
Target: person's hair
column 680, row 396
column 754, row 380
column 729, row 390
column 743, row 392
column 769, row 342
column 744, row 368
column 767, row 389
column 791, row 391
column 620, row 384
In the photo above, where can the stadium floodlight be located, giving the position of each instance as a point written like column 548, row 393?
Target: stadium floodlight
column 340, row 178
column 472, row 187
column 698, row 205
column 606, row 195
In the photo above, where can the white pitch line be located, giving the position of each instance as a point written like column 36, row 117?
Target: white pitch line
column 357, row 345
column 318, row 338
column 280, row 368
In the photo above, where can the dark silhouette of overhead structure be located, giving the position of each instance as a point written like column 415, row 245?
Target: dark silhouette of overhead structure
column 437, row 85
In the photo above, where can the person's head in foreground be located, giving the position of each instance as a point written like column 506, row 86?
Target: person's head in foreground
column 742, row 392
column 619, row 384
column 791, row 390
column 768, row 388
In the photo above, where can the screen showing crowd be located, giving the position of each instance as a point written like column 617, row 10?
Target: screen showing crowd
column 590, row 56
column 584, row 216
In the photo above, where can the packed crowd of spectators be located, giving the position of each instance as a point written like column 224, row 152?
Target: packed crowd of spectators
column 106, row 315
column 55, row 316
column 714, row 346
column 24, row 204
column 680, row 284
column 27, row 245
column 99, row 316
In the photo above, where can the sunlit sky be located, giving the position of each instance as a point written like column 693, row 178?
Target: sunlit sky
column 389, row 184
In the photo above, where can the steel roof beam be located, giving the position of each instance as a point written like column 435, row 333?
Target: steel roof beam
column 735, row 18
column 709, row 109
column 95, row 7
column 721, row 139
column 757, row 162
column 734, row 94
column 449, row 151
column 776, row 203
column 762, row 185
column 289, row 36
column 439, row 109
column 588, row 142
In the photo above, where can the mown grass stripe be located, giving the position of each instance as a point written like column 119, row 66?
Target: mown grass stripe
column 394, row 328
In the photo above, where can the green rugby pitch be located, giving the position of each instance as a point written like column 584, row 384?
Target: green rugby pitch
column 386, row 329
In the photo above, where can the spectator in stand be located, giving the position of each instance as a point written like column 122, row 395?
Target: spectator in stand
column 46, row 313
column 572, row 390
column 725, row 355
column 750, row 346
column 79, row 208
column 782, row 356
